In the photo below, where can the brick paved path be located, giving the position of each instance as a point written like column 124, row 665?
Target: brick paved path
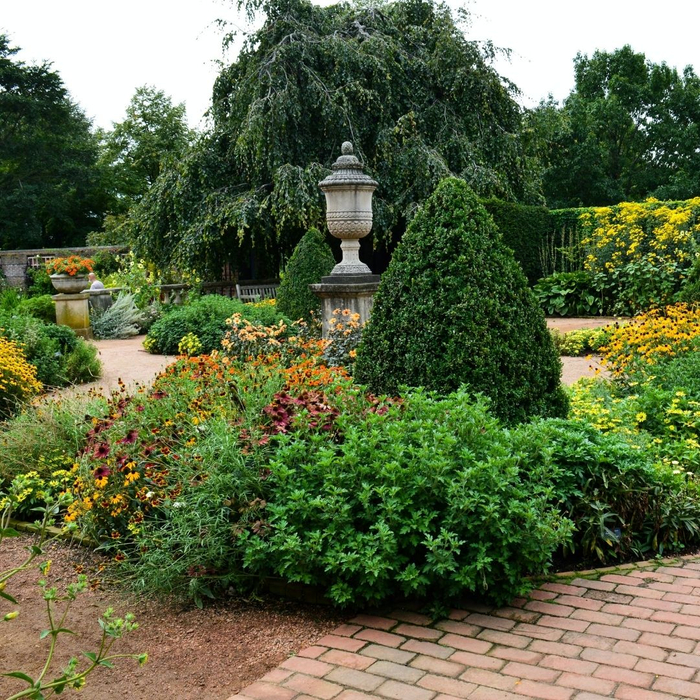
column 633, row 634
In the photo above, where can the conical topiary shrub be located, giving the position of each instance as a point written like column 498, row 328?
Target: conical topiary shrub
column 312, row 259
column 454, row 308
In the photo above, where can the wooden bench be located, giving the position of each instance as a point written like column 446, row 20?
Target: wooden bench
column 256, row 292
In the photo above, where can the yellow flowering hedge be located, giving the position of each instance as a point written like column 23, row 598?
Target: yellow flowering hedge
column 639, row 252
column 18, row 381
column 657, row 335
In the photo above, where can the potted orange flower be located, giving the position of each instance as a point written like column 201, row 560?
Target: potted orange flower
column 69, row 275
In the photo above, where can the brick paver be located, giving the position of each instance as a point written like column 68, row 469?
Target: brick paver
column 631, row 634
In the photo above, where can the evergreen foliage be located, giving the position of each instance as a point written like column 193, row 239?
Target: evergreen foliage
column 418, row 99
column 454, row 308
column 311, row 260
column 524, row 230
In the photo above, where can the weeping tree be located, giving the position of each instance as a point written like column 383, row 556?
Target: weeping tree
column 400, row 79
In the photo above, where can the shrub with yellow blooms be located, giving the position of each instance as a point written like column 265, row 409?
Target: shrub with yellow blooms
column 344, row 335
column 190, row 345
column 639, row 252
column 18, row 381
column 652, row 337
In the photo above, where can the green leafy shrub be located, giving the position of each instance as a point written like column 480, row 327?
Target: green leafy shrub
column 311, row 260
column 39, row 282
column 10, row 299
column 41, row 307
column 454, row 308
column 60, row 357
column 569, row 294
column 206, row 318
column 579, row 342
column 663, row 422
column 82, row 364
column 427, row 499
column 680, row 373
column 621, row 502
column 120, row 320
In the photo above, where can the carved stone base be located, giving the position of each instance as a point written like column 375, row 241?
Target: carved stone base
column 354, row 292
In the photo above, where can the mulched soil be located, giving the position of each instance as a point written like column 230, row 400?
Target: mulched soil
column 206, row 654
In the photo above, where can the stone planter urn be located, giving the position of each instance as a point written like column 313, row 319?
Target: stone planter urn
column 349, row 209
column 351, row 284
column 69, row 284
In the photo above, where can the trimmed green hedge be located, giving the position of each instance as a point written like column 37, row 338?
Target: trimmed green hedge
column 524, row 230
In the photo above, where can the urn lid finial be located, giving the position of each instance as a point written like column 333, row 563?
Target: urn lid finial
column 347, row 171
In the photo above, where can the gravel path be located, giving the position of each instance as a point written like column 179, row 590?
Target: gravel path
column 128, row 361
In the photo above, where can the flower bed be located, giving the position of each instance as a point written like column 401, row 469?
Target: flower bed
column 262, row 460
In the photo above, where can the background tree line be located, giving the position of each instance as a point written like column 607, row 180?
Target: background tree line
column 401, row 80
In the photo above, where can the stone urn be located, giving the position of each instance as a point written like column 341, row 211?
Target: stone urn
column 69, row 284
column 349, row 209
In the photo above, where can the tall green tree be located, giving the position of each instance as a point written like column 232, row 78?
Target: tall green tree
column 153, row 132
column 134, row 152
column 399, row 79
column 50, row 188
column 629, row 129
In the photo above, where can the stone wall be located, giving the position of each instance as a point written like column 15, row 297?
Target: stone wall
column 14, row 263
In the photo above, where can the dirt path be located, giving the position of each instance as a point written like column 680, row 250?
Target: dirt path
column 193, row 654
column 128, row 361
column 574, row 324
column 573, row 368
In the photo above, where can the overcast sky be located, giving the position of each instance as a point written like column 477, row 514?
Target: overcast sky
column 104, row 51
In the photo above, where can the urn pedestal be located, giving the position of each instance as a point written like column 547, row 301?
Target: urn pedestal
column 73, row 310
column 351, row 284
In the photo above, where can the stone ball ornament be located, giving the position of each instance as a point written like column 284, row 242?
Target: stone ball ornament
column 348, row 193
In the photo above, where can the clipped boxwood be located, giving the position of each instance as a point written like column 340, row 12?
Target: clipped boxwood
column 206, row 318
column 310, row 261
column 454, row 308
